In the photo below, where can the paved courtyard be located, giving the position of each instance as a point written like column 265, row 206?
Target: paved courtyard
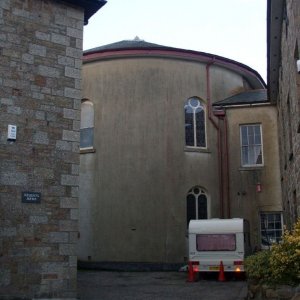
column 102, row 285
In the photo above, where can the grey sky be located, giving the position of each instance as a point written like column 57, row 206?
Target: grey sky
column 235, row 29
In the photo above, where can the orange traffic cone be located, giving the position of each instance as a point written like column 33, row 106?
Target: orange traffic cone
column 191, row 277
column 221, row 272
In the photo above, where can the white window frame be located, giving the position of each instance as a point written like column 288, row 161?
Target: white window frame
column 202, row 191
column 195, row 126
column 87, row 124
column 261, row 229
column 261, row 145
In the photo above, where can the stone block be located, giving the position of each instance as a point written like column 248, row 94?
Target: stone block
column 58, row 237
column 41, row 137
column 74, row 52
column 65, row 61
column 13, row 178
column 74, row 191
column 73, row 32
column 38, row 219
column 75, row 13
column 8, row 231
column 74, row 237
column 77, row 104
column 35, row 49
column 28, row 58
column 42, row 36
column 60, row 39
column 40, row 115
column 48, row 71
column 68, row 202
column 5, row 4
column 71, row 180
column 5, row 277
column 74, row 214
column 44, row 173
column 63, row 145
column 72, row 72
column 75, row 169
column 76, row 125
column 7, row 101
column 79, row 43
column 57, row 191
column 72, row 93
column 78, row 83
column 75, row 147
column 68, row 225
column 72, row 114
column 52, row 267
column 67, row 249
column 73, row 261
column 38, row 96
column 72, row 136
column 15, row 110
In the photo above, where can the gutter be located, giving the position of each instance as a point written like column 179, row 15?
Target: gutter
column 274, row 28
column 90, row 7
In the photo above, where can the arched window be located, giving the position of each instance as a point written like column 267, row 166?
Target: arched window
column 196, row 204
column 87, row 124
column 195, row 123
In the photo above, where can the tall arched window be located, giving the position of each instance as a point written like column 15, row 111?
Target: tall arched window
column 196, row 204
column 87, row 124
column 195, row 123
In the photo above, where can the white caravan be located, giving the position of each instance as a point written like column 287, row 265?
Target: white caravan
column 214, row 240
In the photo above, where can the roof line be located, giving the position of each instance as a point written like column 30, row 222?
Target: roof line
column 90, row 55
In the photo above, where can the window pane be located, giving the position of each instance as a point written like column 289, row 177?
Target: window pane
column 251, row 156
column 189, row 127
column 202, row 207
column 258, row 156
column 87, row 115
column 190, row 208
column 216, row 242
column 244, row 135
column 257, row 135
column 245, row 156
column 194, row 102
column 86, row 137
column 251, row 135
column 194, row 123
column 200, row 128
column 271, row 228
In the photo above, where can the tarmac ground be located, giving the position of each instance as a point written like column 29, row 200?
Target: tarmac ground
column 113, row 285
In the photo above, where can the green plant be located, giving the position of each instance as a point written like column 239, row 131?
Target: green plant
column 285, row 257
column 257, row 266
column 281, row 264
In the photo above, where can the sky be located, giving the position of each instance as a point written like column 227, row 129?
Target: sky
column 235, row 29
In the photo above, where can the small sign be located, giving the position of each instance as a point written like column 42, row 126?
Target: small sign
column 31, row 197
column 12, row 132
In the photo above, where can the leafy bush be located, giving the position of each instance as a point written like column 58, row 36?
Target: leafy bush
column 279, row 265
column 285, row 257
column 257, row 266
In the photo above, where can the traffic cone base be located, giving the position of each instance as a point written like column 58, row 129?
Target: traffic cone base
column 191, row 273
column 221, row 272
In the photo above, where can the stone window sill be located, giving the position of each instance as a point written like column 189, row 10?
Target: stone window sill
column 87, row 150
column 199, row 150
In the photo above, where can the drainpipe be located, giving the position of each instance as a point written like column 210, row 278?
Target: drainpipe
column 208, row 98
column 227, row 167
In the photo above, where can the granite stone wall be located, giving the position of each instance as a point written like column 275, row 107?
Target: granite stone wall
column 40, row 93
column 289, row 112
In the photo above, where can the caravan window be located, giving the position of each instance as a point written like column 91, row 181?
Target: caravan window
column 216, row 242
